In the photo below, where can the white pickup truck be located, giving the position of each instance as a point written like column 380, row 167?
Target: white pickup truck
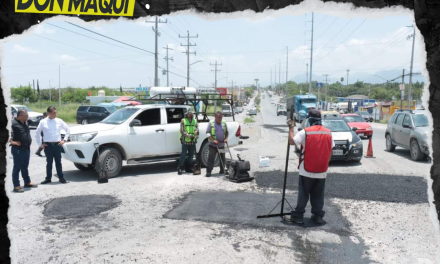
column 137, row 134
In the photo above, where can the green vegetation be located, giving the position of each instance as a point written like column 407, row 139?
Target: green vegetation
column 377, row 91
column 67, row 112
column 248, row 120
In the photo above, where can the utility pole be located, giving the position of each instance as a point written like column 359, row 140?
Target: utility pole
column 402, row 91
column 307, row 73
column 271, row 78
column 348, row 71
column 156, row 60
column 311, row 60
column 187, row 54
column 215, row 83
column 287, row 67
column 168, row 59
column 326, row 88
column 279, row 77
column 59, row 83
column 411, row 69
column 50, row 92
column 275, row 78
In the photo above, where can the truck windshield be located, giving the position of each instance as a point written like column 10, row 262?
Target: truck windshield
column 119, row 116
column 225, row 107
column 308, row 101
column 420, row 121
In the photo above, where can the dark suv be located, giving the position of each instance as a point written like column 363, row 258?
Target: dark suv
column 88, row 114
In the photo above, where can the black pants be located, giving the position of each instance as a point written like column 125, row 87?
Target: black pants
column 53, row 152
column 187, row 157
column 313, row 188
column 211, row 158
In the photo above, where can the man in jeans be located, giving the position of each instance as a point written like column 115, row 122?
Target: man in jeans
column 51, row 128
column 217, row 133
column 21, row 148
column 189, row 131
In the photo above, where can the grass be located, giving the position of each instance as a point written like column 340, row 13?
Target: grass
column 248, row 120
column 67, row 112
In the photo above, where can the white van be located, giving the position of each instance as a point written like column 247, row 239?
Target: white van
column 226, row 110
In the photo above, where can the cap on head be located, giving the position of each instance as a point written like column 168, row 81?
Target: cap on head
column 314, row 113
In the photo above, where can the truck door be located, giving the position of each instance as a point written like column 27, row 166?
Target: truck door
column 174, row 117
column 396, row 132
column 148, row 140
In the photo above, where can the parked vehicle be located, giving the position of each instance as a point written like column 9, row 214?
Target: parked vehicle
column 357, row 122
column 138, row 134
column 34, row 117
column 409, row 130
column 302, row 105
column 236, row 111
column 226, row 110
column 330, row 114
column 89, row 114
column 281, row 110
column 348, row 145
column 253, row 111
column 365, row 115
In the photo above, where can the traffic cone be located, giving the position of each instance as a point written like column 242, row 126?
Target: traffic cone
column 370, row 149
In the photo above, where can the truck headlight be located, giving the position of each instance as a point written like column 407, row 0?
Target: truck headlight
column 86, row 137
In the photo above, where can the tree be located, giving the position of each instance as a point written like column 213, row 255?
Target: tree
column 120, row 88
column 23, row 94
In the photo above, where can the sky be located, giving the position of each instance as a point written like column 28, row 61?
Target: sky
column 246, row 50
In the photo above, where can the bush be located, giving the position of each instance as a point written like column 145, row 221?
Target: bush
column 248, row 120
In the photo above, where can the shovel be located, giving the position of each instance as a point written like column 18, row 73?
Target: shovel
column 196, row 169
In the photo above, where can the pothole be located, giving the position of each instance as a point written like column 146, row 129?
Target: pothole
column 79, row 206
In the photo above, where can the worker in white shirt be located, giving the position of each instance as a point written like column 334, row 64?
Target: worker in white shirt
column 316, row 150
column 51, row 128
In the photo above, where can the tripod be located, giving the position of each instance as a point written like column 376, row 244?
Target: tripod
column 282, row 213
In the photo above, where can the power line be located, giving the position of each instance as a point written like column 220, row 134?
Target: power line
column 327, row 28
column 87, row 36
column 344, row 39
column 110, row 38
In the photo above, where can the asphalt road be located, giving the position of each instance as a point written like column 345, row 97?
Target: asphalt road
column 377, row 211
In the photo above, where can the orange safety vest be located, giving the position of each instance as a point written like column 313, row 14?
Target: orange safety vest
column 318, row 149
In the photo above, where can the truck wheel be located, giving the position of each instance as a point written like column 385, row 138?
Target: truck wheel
column 204, row 154
column 389, row 144
column 83, row 167
column 416, row 153
column 84, row 121
column 111, row 160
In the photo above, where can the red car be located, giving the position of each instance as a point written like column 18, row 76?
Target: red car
column 356, row 121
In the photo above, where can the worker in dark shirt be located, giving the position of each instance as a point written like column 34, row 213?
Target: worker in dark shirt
column 21, row 148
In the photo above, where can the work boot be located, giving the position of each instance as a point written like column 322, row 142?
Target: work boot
column 62, row 180
column 179, row 171
column 18, row 189
column 46, row 181
column 30, row 185
column 222, row 171
column 294, row 219
column 317, row 219
column 38, row 153
column 208, row 174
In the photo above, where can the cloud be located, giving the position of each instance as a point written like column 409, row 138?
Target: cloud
column 85, row 68
column 65, row 57
column 42, row 29
column 22, row 49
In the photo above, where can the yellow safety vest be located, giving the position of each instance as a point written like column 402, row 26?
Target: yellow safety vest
column 189, row 128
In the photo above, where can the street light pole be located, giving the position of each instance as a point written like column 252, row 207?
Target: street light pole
column 59, row 83
column 411, row 70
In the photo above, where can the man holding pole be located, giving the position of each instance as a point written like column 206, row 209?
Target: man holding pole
column 316, row 150
column 217, row 133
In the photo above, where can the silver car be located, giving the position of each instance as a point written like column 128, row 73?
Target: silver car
column 408, row 129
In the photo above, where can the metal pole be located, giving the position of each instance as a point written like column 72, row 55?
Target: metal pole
column 168, row 74
column 59, row 84
column 307, row 73
column 348, row 71
column 50, row 92
column 187, row 63
column 156, row 81
column 403, row 83
column 287, row 67
column 411, row 71
column 279, row 77
column 311, row 60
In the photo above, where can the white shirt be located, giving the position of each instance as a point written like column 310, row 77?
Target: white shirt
column 51, row 129
column 300, row 139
